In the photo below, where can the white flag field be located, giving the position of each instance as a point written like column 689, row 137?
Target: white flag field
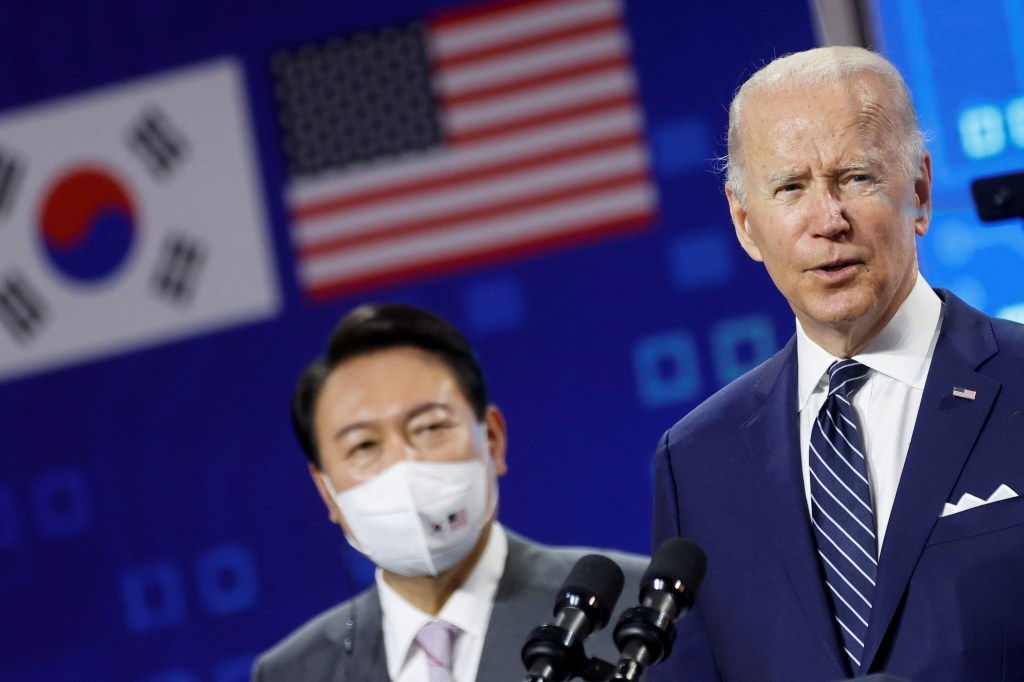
column 130, row 216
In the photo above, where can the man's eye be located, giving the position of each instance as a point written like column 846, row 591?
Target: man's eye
column 362, row 448
column 433, row 432
column 434, row 427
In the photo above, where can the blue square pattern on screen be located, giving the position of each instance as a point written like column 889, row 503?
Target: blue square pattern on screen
column 227, row 579
column 667, row 368
column 682, row 145
column 494, row 304
column 740, row 344
column 701, row 259
column 154, row 597
column 62, row 502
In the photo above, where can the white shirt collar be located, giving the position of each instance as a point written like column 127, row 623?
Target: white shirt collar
column 469, row 607
column 902, row 350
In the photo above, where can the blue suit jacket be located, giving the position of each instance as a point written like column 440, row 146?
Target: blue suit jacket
column 949, row 603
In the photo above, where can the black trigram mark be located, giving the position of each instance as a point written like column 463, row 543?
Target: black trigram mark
column 22, row 309
column 178, row 268
column 156, row 141
column 11, row 170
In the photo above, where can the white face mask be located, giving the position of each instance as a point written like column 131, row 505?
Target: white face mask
column 418, row 518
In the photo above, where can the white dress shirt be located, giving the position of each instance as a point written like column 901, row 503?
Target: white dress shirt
column 886, row 404
column 469, row 609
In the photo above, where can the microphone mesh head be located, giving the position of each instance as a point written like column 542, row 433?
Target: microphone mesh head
column 594, row 585
column 677, row 560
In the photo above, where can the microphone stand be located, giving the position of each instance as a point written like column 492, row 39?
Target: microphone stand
column 555, row 653
column 646, row 636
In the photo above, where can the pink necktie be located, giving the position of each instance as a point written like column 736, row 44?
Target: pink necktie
column 436, row 638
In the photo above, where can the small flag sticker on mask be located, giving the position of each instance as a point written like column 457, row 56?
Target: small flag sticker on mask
column 458, row 519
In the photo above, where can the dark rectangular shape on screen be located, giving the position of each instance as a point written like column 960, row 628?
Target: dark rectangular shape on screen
column 355, row 99
column 22, row 311
column 999, row 197
column 10, row 171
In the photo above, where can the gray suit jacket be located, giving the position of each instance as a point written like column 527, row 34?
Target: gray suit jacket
column 346, row 643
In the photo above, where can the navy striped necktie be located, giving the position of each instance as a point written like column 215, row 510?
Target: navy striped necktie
column 841, row 510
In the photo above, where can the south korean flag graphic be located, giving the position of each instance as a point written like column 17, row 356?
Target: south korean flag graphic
column 130, row 216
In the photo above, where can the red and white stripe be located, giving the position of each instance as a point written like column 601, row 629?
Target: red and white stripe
column 544, row 145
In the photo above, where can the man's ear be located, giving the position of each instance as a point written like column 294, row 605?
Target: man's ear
column 494, row 422
column 333, row 513
column 923, row 196
column 742, row 225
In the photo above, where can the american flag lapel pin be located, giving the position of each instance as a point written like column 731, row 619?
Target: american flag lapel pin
column 965, row 393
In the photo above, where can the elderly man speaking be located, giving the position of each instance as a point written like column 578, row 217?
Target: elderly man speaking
column 856, row 494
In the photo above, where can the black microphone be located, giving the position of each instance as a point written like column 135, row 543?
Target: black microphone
column 644, row 635
column 554, row 653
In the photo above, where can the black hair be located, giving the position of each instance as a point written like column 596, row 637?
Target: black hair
column 376, row 327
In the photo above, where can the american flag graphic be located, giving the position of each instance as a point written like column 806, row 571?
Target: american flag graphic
column 457, row 520
column 965, row 393
column 475, row 136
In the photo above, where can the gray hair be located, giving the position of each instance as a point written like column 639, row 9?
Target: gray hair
column 819, row 66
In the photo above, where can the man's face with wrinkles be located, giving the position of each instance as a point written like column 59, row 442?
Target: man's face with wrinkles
column 829, row 208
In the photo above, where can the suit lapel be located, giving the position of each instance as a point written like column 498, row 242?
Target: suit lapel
column 513, row 605
column 495, row 648
column 947, row 428
column 360, row 635
column 772, row 436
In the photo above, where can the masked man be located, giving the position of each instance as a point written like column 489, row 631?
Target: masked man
column 405, row 450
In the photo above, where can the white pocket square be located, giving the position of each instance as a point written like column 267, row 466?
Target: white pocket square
column 968, row 501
